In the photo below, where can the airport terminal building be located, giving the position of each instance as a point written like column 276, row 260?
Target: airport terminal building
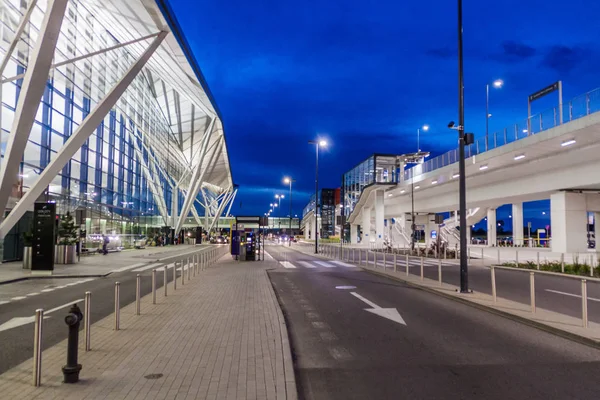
column 106, row 113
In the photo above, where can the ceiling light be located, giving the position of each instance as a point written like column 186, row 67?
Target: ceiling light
column 568, row 143
column 519, row 157
column 484, row 167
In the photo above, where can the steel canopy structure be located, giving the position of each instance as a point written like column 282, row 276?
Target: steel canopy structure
column 126, row 121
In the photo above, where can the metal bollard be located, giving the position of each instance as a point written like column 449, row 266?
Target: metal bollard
column 584, row 301
column 517, row 258
column 37, row 346
column 165, row 272
column 71, row 370
column 406, row 259
column 117, row 305
column 538, row 260
column 189, row 269
column 445, row 252
column 87, row 307
column 375, row 259
column 395, row 263
column 138, row 293
column 182, row 272
column 440, row 272
column 532, row 290
column 353, row 255
column 498, row 255
column 154, row 286
column 194, row 264
column 422, row 274
column 482, row 258
column 562, row 263
column 493, row 273
column 175, row 275
column 407, row 271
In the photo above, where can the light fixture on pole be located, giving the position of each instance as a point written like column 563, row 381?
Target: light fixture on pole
column 496, row 84
column 279, row 197
column 413, row 158
column 317, row 143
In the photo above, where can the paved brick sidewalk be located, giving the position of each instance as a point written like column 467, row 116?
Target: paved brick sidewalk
column 220, row 336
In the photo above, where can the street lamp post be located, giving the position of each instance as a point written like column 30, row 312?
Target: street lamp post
column 317, row 143
column 279, row 197
column 464, row 268
column 425, row 128
column 497, row 84
column 289, row 181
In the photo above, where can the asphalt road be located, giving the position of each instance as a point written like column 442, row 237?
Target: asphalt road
column 446, row 350
column 555, row 293
column 17, row 343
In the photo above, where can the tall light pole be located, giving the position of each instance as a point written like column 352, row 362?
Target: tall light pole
column 462, row 141
column 279, row 197
column 289, row 181
column 497, row 84
column 317, row 143
column 425, row 128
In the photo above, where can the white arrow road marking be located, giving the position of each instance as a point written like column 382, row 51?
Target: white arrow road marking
column 16, row 322
column 571, row 294
column 389, row 313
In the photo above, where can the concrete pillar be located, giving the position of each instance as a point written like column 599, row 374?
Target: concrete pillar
column 313, row 229
column 491, row 227
column 568, row 219
column 379, row 223
column 517, row 223
column 306, row 230
column 469, row 230
column 366, row 226
column 353, row 234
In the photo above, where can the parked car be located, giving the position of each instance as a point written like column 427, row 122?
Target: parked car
column 221, row 240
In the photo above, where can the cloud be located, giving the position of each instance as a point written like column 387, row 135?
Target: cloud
column 442, row 52
column 517, row 51
column 563, row 59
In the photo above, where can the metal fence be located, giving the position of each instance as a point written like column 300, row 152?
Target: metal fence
column 578, row 107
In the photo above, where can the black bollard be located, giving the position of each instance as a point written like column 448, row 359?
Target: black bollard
column 71, row 370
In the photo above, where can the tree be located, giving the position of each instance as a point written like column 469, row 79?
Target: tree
column 67, row 232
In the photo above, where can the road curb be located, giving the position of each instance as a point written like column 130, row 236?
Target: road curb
column 543, row 327
column 291, row 390
column 26, row 278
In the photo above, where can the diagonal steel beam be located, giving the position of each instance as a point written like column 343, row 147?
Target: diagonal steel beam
column 32, row 90
column 17, row 37
column 77, row 139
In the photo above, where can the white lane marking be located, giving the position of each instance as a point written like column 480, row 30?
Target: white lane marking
column 4, row 302
column 18, row 298
column 307, row 264
column 48, row 290
column 163, row 267
column 18, row 321
column 127, row 267
column 324, row 264
column 287, row 264
column 32, row 294
column 268, row 255
column 571, row 294
column 343, row 264
column 345, row 287
column 389, row 313
column 369, row 302
column 147, row 267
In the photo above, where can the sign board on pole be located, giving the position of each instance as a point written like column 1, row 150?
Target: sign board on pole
column 543, row 92
column 44, row 222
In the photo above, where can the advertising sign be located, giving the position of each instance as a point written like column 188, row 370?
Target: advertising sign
column 44, row 223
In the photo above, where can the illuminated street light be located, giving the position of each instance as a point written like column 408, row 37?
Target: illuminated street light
column 319, row 143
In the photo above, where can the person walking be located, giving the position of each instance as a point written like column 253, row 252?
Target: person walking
column 105, row 241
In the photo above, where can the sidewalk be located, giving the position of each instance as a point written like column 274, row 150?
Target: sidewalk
column 220, row 336
column 95, row 265
column 553, row 322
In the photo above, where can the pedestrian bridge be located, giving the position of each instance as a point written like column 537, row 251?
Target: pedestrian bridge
column 536, row 159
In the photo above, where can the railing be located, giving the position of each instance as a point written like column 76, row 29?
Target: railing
column 576, row 108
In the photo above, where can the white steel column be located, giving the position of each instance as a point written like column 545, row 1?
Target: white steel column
column 196, row 178
column 366, row 226
column 568, row 217
column 78, row 137
column 224, row 201
column 353, row 234
column 517, row 223
column 491, row 227
column 28, row 103
column 379, row 224
column 231, row 202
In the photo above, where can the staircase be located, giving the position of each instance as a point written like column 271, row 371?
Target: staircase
column 451, row 235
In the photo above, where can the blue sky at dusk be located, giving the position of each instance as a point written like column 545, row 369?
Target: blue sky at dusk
column 366, row 74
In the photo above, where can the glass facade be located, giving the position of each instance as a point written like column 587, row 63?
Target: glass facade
column 107, row 179
column 327, row 201
column 378, row 168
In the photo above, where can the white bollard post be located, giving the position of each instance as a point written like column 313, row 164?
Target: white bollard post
column 117, row 305
column 538, row 260
column 482, row 257
column 165, row 279
column 499, row 255
column 532, row 290
column 440, row 272
column 375, row 259
column 517, row 258
column 87, row 307
column 422, row 269
column 182, row 272
column 175, row 275
column 395, row 263
column 493, row 272
column 154, row 286
column 189, row 265
column 406, row 258
column 37, row 346
column 562, row 262
column 138, row 293
column 407, row 269
column 584, row 308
